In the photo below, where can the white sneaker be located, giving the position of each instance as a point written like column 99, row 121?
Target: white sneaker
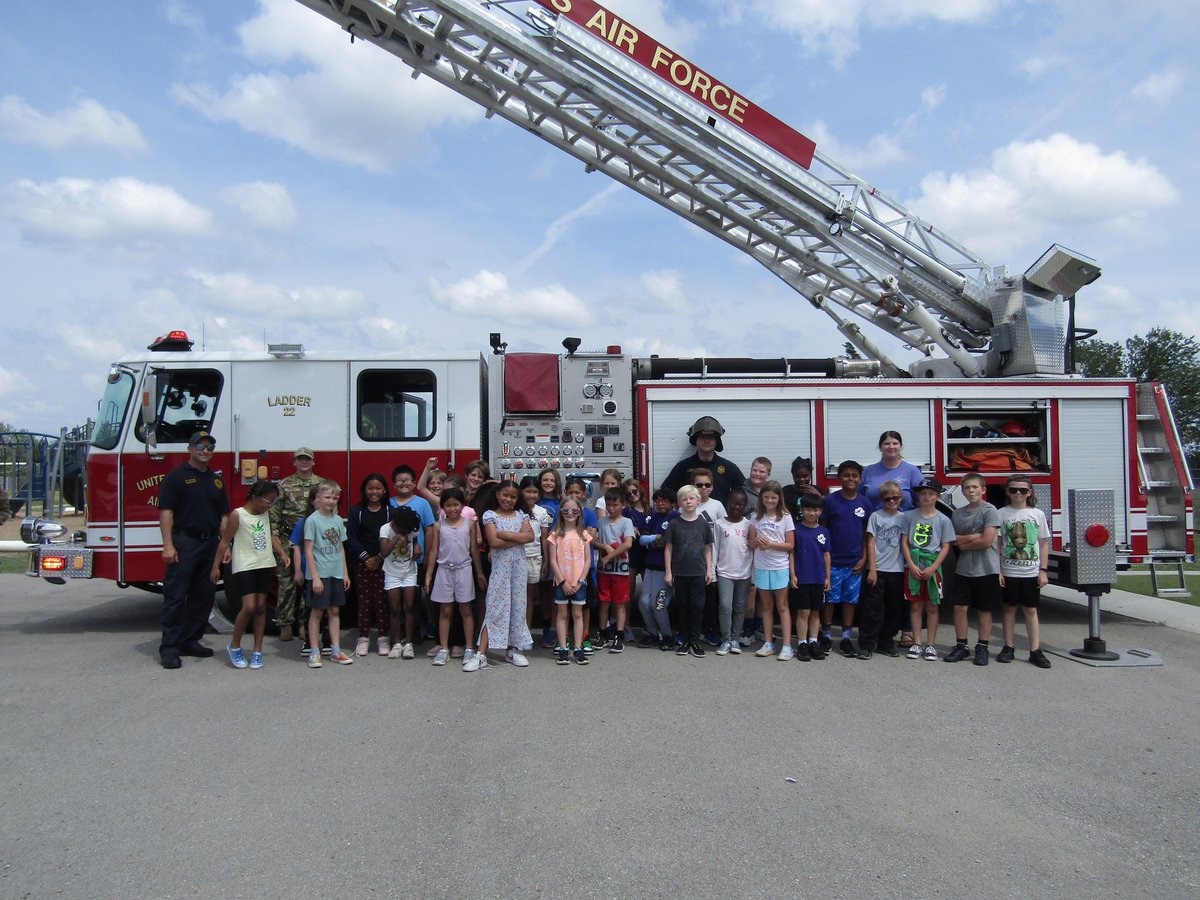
column 406, row 650
column 394, row 652
column 735, row 648
column 767, row 649
column 441, row 658
column 914, row 652
column 360, row 649
column 723, row 650
column 786, row 653
column 385, row 646
column 475, row 662
column 931, row 652
column 517, row 659
column 314, row 659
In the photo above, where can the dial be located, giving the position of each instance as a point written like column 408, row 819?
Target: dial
column 606, row 390
column 589, row 391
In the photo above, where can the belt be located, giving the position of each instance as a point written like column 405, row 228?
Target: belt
column 196, row 533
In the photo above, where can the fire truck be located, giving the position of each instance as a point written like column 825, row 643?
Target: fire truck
column 993, row 388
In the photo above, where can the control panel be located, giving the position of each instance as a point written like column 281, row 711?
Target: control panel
column 591, row 430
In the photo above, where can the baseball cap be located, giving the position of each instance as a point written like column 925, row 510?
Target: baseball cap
column 929, row 484
column 199, row 436
column 304, row 451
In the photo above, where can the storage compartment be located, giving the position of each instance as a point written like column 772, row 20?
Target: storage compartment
column 997, row 436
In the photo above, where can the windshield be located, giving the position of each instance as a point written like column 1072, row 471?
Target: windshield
column 113, row 406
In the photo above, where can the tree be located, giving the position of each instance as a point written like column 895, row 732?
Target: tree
column 1172, row 358
column 1101, row 359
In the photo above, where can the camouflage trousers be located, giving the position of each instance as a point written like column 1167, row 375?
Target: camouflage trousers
column 289, row 603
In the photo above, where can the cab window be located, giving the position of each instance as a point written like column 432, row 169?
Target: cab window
column 187, row 403
column 113, row 407
column 396, row 404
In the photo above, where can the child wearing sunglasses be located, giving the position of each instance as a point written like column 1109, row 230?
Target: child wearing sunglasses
column 883, row 607
column 1023, row 546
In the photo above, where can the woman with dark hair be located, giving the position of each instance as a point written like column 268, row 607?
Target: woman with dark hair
column 891, row 467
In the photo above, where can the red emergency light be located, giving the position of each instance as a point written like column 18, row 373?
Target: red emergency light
column 54, row 563
column 1096, row 535
column 173, row 340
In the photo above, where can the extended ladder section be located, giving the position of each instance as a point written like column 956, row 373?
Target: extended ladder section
column 572, row 80
column 1167, row 483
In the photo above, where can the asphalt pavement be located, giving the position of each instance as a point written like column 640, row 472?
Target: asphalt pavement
column 641, row 774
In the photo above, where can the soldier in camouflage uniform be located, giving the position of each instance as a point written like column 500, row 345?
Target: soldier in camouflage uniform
column 287, row 511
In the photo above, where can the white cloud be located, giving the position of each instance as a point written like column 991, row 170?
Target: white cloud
column 1108, row 306
column 350, row 103
column 879, row 151
column 264, row 204
column 116, row 209
column 933, row 97
column 650, row 17
column 87, row 123
column 1034, row 187
column 238, row 293
column 1036, row 66
column 1159, row 88
column 85, row 343
column 183, row 15
column 489, row 296
column 831, row 27
column 560, row 226
column 665, row 287
column 12, row 382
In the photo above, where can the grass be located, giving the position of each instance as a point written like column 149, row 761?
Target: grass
column 1138, row 582
column 13, row 563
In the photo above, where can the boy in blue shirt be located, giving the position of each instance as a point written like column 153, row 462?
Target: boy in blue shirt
column 811, row 568
column 845, row 514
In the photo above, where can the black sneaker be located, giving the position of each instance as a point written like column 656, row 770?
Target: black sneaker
column 666, row 645
column 580, row 657
column 865, row 653
column 846, row 648
column 564, row 656
column 825, row 642
column 696, row 649
column 802, row 652
column 681, row 649
column 890, row 650
column 981, row 655
column 305, row 649
column 617, row 644
column 815, row 651
column 713, row 639
column 603, row 639
column 958, row 654
column 1038, row 658
column 647, row 641
column 1006, row 655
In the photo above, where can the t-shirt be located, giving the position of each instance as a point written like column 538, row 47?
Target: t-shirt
column 1020, row 531
column 973, row 563
column 688, row 540
column 541, row 521
column 711, row 510
column 777, row 531
column 887, row 528
column 811, row 546
column 905, row 474
column 550, row 505
column 327, row 534
column 846, row 520
column 611, row 533
column 252, row 542
column 656, row 524
column 569, row 549
column 401, row 563
column 731, row 549
column 928, row 534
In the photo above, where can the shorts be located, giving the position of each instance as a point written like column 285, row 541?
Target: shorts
column 844, row 585
column 979, row 592
column 257, row 581
column 579, row 598
column 533, row 569
column 333, row 597
column 453, row 585
column 1021, row 592
column 612, row 588
column 392, row 582
column 807, row 596
column 771, row 579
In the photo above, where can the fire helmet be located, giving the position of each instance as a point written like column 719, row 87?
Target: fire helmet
column 703, row 424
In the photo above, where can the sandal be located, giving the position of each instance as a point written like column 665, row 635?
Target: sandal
column 906, row 640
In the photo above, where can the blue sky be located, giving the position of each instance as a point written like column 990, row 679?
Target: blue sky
column 240, row 169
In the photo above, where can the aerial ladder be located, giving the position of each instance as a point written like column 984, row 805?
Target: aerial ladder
column 588, row 82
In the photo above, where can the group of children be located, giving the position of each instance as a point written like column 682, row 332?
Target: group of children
column 503, row 553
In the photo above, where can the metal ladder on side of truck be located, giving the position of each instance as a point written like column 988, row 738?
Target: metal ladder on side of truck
column 1167, row 484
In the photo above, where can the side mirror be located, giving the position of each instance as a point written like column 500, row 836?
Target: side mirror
column 149, row 411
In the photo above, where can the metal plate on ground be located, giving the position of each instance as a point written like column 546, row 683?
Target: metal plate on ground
column 1126, row 656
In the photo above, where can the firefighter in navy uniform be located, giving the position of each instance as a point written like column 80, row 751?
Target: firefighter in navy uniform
column 192, row 508
column 705, row 436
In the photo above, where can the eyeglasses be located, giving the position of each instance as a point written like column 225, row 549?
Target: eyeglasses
column 632, row 492
column 890, row 497
column 1015, row 490
column 570, row 512
column 205, row 448
column 703, row 484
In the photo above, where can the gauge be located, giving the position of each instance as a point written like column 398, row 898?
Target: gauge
column 606, row 390
column 589, row 391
